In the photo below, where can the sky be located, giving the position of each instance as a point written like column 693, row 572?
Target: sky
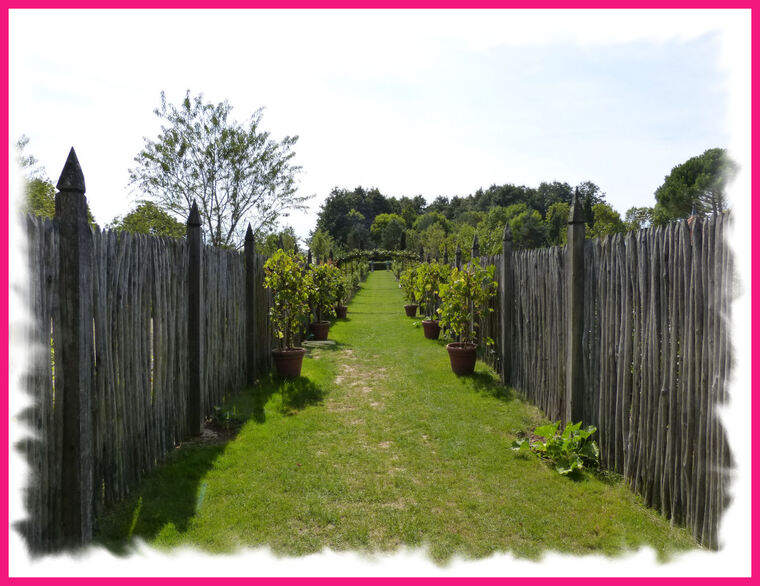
column 411, row 102
column 414, row 103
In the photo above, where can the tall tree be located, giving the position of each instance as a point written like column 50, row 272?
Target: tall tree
column 39, row 191
column 268, row 244
column 381, row 221
column 236, row 173
column 392, row 233
column 148, row 218
column 334, row 219
column 550, row 193
column 321, row 243
column 556, row 222
column 606, row 222
column 638, row 218
column 699, row 183
column 589, row 194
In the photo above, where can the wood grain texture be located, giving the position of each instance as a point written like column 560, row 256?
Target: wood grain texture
column 656, row 356
column 140, row 356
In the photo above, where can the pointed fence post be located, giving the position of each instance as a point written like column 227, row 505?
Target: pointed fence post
column 458, row 257
column 576, row 237
column 506, row 302
column 308, row 257
column 74, row 357
column 250, row 306
column 474, row 260
column 194, row 322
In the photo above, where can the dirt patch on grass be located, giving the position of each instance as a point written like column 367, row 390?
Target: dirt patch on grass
column 213, row 435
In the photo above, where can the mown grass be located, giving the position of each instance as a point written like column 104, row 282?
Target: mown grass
column 376, row 446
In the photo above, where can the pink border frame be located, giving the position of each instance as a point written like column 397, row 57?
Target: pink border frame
column 4, row 249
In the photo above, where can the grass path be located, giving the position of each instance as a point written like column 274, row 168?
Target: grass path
column 379, row 445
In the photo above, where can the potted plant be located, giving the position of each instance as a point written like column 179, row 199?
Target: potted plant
column 322, row 297
column 343, row 291
column 284, row 274
column 463, row 300
column 430, row 276
column 406, row 282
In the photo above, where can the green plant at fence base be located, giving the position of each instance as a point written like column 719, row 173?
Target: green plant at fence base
column 570, row 451
column 226, row 419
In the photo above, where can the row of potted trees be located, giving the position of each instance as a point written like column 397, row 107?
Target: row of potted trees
column 300, row 290
column 453, row 299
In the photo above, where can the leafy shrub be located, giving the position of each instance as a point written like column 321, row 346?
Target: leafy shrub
column 464, row 298
column 407, row 282
column 291, row 285
column 324, row 291
column 429, row 278
column 570, row 451
column 343, row 288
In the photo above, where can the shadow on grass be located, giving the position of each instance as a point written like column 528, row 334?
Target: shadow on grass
column 163, row 505
column 486, row 383
column 165, row 501
column 295, row 393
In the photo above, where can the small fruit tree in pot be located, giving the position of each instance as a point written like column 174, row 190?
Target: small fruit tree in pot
column 323, row 297
column 344, row 288
column 430, row 277
column 407, row 282
column 284, row 274
column 463, row 300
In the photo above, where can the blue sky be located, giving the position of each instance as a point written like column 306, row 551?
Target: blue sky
column 430, row 103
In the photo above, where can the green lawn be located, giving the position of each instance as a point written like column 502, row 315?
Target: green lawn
column 379, row 445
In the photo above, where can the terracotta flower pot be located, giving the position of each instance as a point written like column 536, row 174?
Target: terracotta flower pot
column 320, row 328
column 431, row 328
column 462, row 356
column 288, row 361
column 340, row 311
column 411, row 309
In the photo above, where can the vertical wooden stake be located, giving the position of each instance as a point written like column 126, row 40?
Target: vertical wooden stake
column 576, row 236
column 194, row 317
column 250, row 307
column 458, row 257
column 74, row 387
column 474, row 259
column 507, row 300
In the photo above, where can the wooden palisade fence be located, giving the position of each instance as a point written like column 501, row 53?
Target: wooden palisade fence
column 629, row 333
column 139, row 337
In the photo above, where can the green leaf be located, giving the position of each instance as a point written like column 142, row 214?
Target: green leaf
column 547, row 431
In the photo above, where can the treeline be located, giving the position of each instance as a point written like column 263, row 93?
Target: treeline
column 365, row 218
